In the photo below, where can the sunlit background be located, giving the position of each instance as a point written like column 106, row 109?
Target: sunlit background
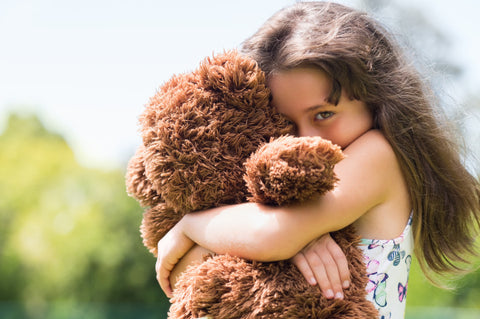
column 75, row 75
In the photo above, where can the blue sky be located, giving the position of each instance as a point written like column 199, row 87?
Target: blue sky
column 88, row 67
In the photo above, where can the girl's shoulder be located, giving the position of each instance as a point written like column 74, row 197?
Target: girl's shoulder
column 373, row 146
column 371, row 138
column 370, row 158
column 384, row 178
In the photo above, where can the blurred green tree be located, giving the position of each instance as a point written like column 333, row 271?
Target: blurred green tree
column 68, row 234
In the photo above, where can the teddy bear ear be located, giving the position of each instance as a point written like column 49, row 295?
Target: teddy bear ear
column 138, row 185
column 238, row 77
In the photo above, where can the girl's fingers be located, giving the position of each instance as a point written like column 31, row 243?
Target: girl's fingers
column 341, row 262
column 323, row 262
column 311, row 267
column 326, row 273
column 300, row 261
column 163, row 278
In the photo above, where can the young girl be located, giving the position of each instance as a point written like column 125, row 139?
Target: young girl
column 337, row 74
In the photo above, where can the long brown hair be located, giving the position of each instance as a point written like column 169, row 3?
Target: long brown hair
column 365, row 61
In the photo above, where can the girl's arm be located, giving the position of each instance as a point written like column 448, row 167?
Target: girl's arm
column 264, row 233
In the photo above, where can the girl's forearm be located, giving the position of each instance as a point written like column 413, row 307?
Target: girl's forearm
column 228, row 229
column 250, row 231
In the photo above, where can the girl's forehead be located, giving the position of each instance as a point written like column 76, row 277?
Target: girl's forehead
column 300, row 91
column 311, row 79
column 302, row 84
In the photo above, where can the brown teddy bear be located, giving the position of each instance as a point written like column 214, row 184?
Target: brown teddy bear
column 208, row 140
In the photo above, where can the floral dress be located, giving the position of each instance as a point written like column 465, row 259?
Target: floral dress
column 388, row 264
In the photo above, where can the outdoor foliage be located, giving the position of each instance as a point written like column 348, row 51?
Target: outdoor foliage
column 69, row 235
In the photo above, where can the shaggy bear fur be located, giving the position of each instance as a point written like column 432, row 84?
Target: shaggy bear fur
column 208, row 140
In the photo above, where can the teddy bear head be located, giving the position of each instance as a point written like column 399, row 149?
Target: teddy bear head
column 198, row 130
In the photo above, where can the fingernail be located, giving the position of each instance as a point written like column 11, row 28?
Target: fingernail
column 338, row 295
column 346, row 284
column 312, row 281
column 329, row 294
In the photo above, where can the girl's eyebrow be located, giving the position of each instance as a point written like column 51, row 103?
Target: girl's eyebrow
column 316, row 107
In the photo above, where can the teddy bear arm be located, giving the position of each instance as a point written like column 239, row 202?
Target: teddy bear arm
column 138, row 185
column 292, row 170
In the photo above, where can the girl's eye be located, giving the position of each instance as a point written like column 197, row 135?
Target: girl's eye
column 323, row 115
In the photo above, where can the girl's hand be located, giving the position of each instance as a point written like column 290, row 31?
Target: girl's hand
column 171, row 248
column 323, row 262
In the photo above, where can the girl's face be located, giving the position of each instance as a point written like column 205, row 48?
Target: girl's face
column 301, row 94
